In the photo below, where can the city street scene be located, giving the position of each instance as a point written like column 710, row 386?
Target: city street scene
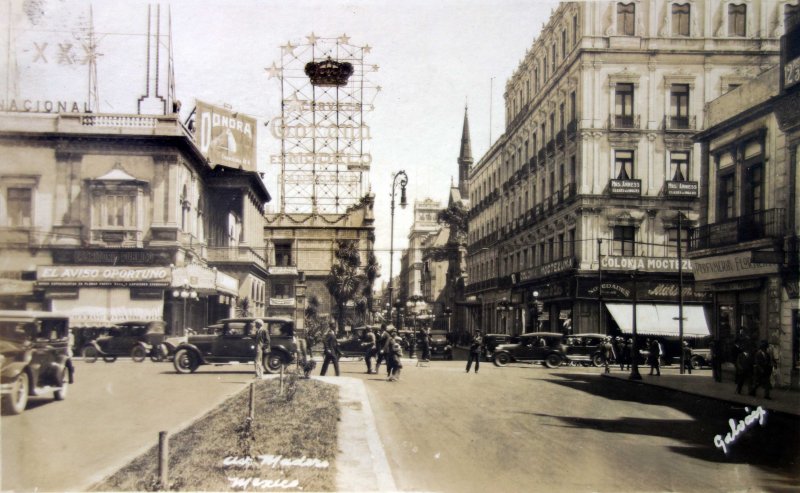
column 356, row 246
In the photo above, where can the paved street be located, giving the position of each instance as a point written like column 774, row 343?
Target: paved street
column 112, row 413
column 527, row 428
column 519, row 428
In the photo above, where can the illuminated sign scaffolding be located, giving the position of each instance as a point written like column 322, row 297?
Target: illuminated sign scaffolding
column 325, row 94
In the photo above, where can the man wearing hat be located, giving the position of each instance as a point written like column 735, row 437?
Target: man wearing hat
column 262, row 346
column 331, row 347
column 762, row 370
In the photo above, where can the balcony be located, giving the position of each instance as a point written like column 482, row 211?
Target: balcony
column 561, row 139
column 680, row 123
column 551, row 147
column 568, row 192
column 532, row 163
column 117, row 237
column 235, row 255
column 538, row 210
column 540, row 156
column 624, row 122
column 572, row 129
column 760, row 225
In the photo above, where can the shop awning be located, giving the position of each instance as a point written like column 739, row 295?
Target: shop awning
column 660, row 320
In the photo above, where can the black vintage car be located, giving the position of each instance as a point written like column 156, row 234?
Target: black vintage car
column 441, row 345
column 233, row 340
column 136, row 339
column 34, row 357
column 545, row 347
column 352, row 345
column 491, row 341
column 585, row 348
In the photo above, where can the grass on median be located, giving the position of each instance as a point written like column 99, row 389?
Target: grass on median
column 302, row 422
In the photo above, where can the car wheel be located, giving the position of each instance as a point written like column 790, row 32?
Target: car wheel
column 501, row 359
column 61, row 393
column 15, row 401
column 273, row 362
column 89, row 354
column 138, row 354
column 598, row 360
column 185, row 361
column 696, row 362
column 109, row 359
column 553, row 361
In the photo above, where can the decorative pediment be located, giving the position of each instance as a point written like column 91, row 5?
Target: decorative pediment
column 680, row 77
column 626, row 76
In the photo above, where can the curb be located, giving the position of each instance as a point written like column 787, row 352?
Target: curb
column 361, row 463
column 689, row 390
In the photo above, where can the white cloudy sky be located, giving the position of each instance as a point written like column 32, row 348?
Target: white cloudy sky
column 434, row 56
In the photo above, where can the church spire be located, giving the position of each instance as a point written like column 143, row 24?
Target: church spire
column 464, row 158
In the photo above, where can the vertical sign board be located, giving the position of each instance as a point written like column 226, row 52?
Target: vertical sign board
column 790, row 49
column 226, row 137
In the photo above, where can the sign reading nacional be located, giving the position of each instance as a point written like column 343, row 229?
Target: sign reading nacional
column 644, row 264
column 103, row 276
column 730, row 266
column 226, row 137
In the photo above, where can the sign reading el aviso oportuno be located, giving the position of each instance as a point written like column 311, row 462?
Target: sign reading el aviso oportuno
column 59, row 275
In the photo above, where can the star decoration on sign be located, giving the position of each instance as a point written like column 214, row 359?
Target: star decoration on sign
column 274, row 71
column 367, row 49
column 378, row 88
column 289, row 48
column 312, row 39
column 375, row 68
column 344, row 39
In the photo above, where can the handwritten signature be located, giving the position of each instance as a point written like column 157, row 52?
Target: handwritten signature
column 242, row 483
column 758, row 415
column 273, row 461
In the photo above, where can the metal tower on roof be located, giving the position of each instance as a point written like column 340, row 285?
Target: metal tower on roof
column 325, row 94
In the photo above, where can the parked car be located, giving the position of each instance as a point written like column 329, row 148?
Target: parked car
column 545, row 347
column 136, row 339
column 233, row 340
column 585, row 348
column 34, row 357
column 491, row 341
column 441, row 345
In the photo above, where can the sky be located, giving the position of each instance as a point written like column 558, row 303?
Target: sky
column 434, row 58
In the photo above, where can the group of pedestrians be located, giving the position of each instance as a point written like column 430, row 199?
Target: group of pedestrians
column 383, row 347
column 755, row 369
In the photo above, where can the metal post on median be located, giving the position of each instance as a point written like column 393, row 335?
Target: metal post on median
column 252, row 410
column 282, row 367
column 163, row 459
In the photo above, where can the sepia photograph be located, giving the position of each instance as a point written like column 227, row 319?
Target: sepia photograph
column 446, row 246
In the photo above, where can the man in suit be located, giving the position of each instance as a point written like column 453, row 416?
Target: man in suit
column 262, row 346
column 332, row 352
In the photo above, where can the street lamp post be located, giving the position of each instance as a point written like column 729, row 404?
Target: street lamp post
column 403, row 181
column 185, row 292
column 447, row 313
column 635, row 375
column 535, row 311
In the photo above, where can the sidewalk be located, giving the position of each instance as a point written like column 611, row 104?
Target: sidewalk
column 701, row 383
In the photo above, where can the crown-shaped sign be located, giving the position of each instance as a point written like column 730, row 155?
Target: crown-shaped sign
column 329, row 72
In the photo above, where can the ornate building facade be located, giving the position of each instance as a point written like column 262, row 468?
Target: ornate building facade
column 111, row 218
column 578, row 207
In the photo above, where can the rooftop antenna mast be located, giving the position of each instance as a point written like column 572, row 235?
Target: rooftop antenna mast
column 91, row 50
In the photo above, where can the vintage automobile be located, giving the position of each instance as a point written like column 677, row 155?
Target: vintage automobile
column 585, row 348
column 136, row 339
column 491, row 341
column 35, row 356
column 233, row 340
column 545, row 347
column 351, row 346
column 441, row 345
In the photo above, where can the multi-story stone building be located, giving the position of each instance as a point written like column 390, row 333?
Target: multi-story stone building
column 425, row 224
column 111, row 218
column 301, row 247
column 579, row 205
column 745, row 249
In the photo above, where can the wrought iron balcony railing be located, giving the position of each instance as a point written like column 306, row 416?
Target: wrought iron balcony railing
column 623, row 122
column 769, row 223
column 680, row 123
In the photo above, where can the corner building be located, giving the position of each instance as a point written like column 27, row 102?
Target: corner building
column 596, row 176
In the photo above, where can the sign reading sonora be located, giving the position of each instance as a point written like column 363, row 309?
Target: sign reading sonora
column 226, row 137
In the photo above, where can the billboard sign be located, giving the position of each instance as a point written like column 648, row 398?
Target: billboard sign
column 226, row 137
